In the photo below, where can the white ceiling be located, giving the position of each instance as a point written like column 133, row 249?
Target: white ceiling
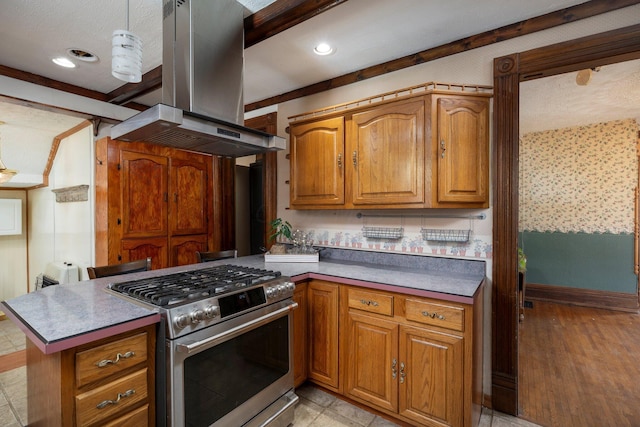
column 365, row 33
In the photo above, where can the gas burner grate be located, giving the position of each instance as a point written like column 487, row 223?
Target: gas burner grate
column 193, row 285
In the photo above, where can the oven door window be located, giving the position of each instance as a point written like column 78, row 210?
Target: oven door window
column 219, row 379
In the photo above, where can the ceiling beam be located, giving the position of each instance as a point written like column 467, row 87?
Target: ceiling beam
column 151, row 80
column 543, row 22
column 283, row 14
column 54, row 84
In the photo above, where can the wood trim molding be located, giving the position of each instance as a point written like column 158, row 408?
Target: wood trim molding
column 619, row 301
column 268, row 123
column 508, row 72
column 54, row 150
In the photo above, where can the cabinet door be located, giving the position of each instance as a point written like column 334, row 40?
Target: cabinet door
column 386, row 148
column 323, row 298
column 188, row 196
column 317, row 163
column 300, row 335
column 144, row 194
column 183, row 249
column 463, row 149
column 431, row 377
column 372, row 361
column 156, row 248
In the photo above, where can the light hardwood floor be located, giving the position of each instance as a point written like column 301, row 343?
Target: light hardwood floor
column 579, row 366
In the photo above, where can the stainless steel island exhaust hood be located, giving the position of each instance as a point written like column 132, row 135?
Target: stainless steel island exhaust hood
column 202, row 84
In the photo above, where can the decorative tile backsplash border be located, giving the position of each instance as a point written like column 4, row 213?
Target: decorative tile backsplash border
column 412, row 243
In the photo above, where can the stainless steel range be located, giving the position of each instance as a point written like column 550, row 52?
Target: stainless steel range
column 228, row 355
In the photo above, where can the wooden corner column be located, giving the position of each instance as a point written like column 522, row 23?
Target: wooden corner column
column 504, row 363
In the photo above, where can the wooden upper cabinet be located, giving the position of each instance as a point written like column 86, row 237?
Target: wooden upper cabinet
column 461, row 147
column 188, row 198
column 425, row 150
column 386, row 147
column 144, row 194
column 317, row 163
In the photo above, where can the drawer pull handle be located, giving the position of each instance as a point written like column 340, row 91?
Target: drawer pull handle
column 369, row 302
column 105, row 362
column 433, row 315
column 106, row 403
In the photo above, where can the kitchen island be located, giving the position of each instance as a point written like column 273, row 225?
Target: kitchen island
column 66, row 322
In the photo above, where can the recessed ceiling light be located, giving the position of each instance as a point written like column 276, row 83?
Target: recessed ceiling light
column 82, row 55
column 63, row 62
column 323, row 49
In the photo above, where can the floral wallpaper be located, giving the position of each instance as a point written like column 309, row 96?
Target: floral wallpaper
column 579, row 179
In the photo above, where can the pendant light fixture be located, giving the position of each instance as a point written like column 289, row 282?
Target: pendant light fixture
column 126, row 55
column 5, row 173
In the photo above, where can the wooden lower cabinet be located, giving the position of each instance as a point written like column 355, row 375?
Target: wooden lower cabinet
column 323, row 366
column 430, row 374
column 416, row 359
column 108, row 382
column 300, row 335
column 372, row 361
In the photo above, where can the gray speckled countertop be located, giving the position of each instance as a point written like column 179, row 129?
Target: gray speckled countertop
column 64, row 316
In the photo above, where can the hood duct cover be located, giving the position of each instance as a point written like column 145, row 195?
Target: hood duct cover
column 202, row 84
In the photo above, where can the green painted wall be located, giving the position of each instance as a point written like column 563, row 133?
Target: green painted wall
column 579, row 260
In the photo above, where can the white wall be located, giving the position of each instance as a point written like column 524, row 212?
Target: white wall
column 64, row 231
column 13, row 254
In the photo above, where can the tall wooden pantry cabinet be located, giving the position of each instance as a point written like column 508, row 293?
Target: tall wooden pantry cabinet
column 153, row 201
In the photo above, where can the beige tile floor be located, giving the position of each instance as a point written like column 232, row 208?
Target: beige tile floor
column 315, row 409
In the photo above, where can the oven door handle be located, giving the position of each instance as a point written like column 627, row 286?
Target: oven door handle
column 240, row 329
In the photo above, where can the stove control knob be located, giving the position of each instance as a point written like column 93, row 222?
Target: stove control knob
column 291, row 286
column 212, row 311
column 181, row 321
column 197, row 316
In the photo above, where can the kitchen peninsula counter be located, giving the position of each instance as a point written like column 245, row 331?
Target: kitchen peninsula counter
column 60, row 317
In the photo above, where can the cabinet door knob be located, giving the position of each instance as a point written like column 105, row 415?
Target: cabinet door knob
column 355, row 158
column 340, row 160
column 402, row 373
column 394, row 371
column 442, row 146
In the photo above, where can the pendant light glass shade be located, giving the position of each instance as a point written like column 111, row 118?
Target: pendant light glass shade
column 126, row 56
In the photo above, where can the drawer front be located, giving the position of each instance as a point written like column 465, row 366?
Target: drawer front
column 372, row 302
column 113, row 398
column 111, row 358
column 136, row 418
column 445, row 316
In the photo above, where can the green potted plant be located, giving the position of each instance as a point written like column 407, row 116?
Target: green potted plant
column 280, row 230
column 522, row 261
